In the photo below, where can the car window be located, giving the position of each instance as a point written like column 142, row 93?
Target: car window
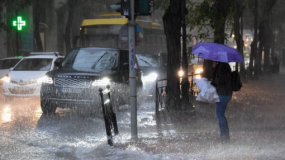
column 147, row 60
column 34, row 64
column 8, row 63
column 91, row 59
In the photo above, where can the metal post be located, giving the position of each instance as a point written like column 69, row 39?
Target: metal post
column 132, row 63
column 156, row 97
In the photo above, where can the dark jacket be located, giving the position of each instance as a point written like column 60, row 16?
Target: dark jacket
column 222, row 78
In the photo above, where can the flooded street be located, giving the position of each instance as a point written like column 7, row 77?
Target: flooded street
column 63, row 53
column 256, row 116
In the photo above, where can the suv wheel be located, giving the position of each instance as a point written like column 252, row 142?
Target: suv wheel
column 47, row 107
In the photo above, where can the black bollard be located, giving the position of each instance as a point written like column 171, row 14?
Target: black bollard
column 112, row 114
column 106, row 119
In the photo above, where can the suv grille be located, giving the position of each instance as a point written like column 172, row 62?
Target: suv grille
column 72, row 82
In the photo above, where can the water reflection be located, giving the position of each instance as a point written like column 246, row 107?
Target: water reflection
column 37, row 113
column 6, row 114
column 23, row 110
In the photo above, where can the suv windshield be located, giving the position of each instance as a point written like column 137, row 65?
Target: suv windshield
column 8, row 63
column 34, row 64
column 88, row 59
column 147, row 60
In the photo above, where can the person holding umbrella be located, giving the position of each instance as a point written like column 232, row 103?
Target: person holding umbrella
column 222, row 81
column 221, row 55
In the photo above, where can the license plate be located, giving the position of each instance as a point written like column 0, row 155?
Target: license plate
column 70, row 90
column 20, row 88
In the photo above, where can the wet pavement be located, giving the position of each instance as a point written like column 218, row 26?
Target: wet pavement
column 256, row 117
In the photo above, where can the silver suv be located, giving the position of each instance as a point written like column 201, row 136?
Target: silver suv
column 80, row 75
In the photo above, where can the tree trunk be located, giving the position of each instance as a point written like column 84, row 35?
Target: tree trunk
column 263, row 37
column 37, row 11
column 185, row 85
column 172, row 27
column 60, row 43
column 238, row 34
column 67, row 36
column 266, row 64
column 219, row 19
column 253, row 52
column 262, row 40
column 11, row 35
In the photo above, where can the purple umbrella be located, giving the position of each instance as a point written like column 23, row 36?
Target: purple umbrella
column 217, row 52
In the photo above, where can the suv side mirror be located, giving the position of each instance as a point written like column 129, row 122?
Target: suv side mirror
column 57, row 62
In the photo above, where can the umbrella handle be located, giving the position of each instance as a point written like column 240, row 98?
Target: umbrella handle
column 198, row 57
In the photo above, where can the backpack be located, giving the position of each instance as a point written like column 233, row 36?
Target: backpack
column 236, row 82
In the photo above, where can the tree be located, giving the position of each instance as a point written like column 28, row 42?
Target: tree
column 185, row 82
column 2, row 23
column 38, row 12
column 172, row 29
column 238, row 31
column 254, row 43
column 214, row 14
column 74, row 10
column 262, row 37
column 69, row 7
column 67, row 35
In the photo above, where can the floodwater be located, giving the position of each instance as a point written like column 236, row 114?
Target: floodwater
column 256, row 117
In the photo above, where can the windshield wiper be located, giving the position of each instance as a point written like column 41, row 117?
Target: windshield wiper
column 94, row 65
column 145, row 62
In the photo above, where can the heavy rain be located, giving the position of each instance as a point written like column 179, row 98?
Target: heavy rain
column 75, row 84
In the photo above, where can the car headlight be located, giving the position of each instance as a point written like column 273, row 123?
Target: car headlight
column 199, row 70
column 45, row 79
column 101, row 82
column 6, row 79
column 150, row 77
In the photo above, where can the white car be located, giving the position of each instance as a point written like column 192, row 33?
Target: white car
column 25, row 78
column 6, row 64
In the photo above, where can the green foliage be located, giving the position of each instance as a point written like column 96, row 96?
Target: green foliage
column 18, row 4
column 204, row 17
column 161, row 4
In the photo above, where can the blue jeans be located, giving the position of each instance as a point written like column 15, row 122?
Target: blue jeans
column 220, row 113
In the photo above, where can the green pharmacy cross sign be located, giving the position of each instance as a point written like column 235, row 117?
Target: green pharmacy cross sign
column 19, row 23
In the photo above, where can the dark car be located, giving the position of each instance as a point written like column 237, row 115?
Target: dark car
column 80, row 75
column 154, row 67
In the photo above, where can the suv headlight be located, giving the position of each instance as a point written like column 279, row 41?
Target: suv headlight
column 101, row 82
column 6, row 79
column 45, row 79
column 151, row 77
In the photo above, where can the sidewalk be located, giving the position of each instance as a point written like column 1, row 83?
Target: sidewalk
column 256, row 117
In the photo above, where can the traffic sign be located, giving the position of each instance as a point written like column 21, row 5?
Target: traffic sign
column 123, row 42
